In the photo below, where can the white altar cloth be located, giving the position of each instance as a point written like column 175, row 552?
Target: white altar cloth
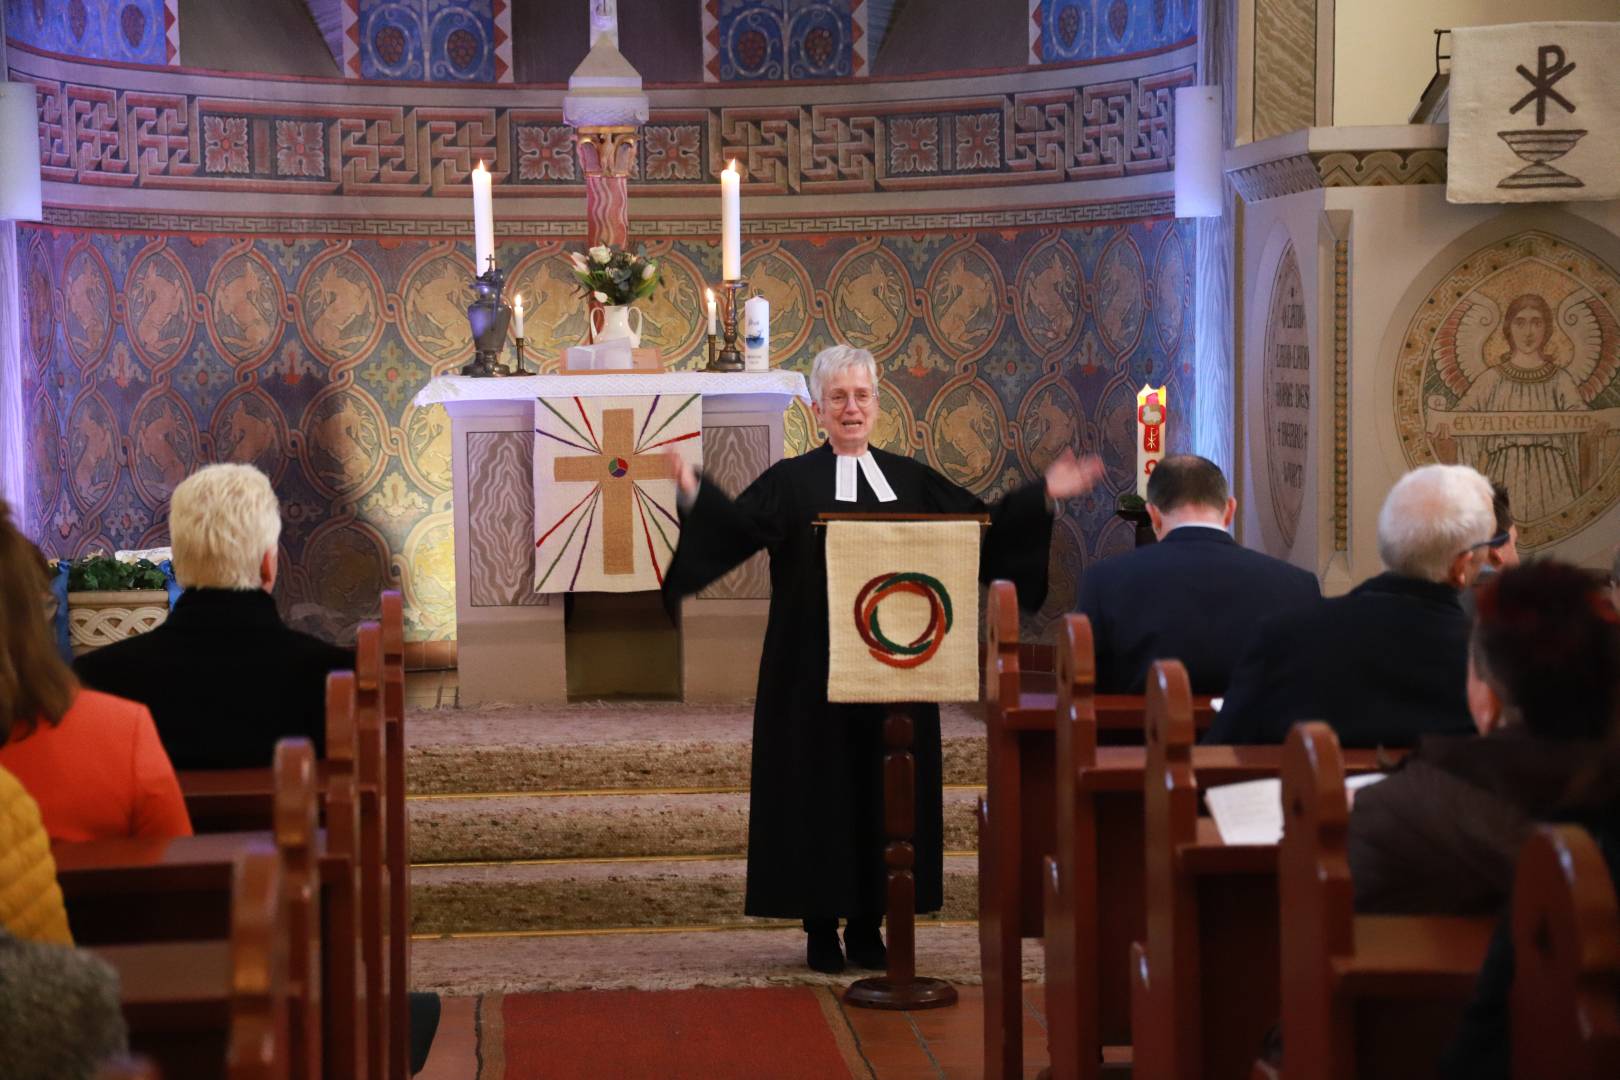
column 776, row 383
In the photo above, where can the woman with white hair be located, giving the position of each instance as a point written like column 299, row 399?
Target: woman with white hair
column 815, row 838
column 224, row 644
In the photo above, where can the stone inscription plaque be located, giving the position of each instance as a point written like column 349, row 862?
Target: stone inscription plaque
column 1288, row 395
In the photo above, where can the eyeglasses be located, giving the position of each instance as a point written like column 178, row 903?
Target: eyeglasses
column 838, row 398
column 1493, row 543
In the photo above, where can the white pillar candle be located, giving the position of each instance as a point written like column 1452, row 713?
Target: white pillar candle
column 1152, row 429
column 731, row 223
column 714, row 315
column 483, row 219
column 517, row 316
column 757, row 334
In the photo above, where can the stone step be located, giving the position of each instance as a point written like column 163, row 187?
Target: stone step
column 679, row 960
column 610, row 826
column 602, row 895
column 596, row 747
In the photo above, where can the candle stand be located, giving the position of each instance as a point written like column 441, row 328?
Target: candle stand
column 488, row 315
column 517, row 344
column 728, row 358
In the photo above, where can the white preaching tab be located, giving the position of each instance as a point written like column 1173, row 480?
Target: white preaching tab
column 845, row 490
column 1251, row 812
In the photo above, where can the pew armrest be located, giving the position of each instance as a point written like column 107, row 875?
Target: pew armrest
column 1414, row 956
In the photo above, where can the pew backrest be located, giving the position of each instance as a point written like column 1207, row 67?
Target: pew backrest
column 1566, row 944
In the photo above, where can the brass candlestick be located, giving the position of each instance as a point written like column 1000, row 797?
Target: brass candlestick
column 729, row 358
column 517, row 343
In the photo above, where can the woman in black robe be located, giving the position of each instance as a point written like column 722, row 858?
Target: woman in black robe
column 815, row 835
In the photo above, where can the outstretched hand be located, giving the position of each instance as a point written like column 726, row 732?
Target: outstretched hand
column 686, row 477
column 1070, row 476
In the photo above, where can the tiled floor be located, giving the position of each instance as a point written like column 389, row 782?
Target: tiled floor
column 929, row 1045
column 431, row 689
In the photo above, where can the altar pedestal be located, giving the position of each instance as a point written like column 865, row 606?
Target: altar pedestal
column 512, row 641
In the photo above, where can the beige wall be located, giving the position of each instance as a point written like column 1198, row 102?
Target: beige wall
column 1384, row 49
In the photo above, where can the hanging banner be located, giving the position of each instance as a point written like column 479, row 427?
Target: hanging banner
column 1535, row 113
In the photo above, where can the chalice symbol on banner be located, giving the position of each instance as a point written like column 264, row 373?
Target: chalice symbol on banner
column 1541, row 145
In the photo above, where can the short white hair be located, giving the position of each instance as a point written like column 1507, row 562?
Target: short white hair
column 222, row 520
column 1432, row 515
column 831, row 361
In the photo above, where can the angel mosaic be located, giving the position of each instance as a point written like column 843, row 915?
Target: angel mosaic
column 1522, row 371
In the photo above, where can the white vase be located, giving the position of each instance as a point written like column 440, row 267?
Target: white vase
column 615, row 323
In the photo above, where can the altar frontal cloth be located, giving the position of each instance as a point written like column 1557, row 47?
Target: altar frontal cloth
column 604, row 489
column 903, row 611
column 1535, row 113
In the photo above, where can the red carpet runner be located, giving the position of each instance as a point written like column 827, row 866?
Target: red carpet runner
column 785, row 1033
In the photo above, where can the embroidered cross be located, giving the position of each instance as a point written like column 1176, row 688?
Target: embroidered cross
column 616, row 463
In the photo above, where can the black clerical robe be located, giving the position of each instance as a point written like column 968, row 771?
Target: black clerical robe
column 815, row 835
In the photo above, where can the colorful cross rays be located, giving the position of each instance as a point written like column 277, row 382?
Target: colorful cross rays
column 617, row 465
column 921, row 648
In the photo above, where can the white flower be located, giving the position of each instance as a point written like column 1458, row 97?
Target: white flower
column 648, row 271
column 579, row 261
column 601, row 253
column 601, row 297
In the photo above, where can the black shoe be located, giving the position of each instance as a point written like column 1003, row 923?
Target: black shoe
column 822, row 953
column 865, row 947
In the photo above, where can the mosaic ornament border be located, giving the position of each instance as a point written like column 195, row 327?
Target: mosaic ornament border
column 648, row 228
column 103, row 136
column 1339, row 168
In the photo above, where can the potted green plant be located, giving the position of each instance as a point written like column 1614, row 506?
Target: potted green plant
column 110, row 599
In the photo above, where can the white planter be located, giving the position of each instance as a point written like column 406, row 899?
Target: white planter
column 101, row 618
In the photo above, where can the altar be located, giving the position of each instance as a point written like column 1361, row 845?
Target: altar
column 513, row 643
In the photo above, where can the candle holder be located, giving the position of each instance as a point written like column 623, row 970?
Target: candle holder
column 488, row 315
column 729, row 357
column 517, row 344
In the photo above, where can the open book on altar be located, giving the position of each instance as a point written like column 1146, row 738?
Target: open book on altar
column 1251, row 812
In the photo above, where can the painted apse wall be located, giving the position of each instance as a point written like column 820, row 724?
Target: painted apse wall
column 264, row 270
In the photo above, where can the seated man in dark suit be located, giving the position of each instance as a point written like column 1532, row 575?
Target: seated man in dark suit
column 223, row 676
column 1196, row 596
column 1387, row 662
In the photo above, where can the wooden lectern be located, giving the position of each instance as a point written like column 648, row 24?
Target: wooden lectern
column 848, row 682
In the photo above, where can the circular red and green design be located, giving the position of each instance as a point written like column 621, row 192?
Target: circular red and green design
column 921, row 648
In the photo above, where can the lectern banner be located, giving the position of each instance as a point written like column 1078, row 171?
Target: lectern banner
column 604, row 489
column 903, row 611
column 1535, row 113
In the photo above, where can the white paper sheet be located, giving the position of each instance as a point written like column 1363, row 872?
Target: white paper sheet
column 1251, row 812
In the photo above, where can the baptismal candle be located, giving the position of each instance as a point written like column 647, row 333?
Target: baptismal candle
column 731, row 223
column 1152, row 428
column 714, row 316
column 517, row 316
column 483, row 219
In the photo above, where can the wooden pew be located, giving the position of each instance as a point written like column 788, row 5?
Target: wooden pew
column 374, row 879
column 1015, row 827
column 344, row 1017
column 1566, row 938
column 1018, row 821
column 1093, row 917
column 397, row 831
column 205, row 1009
column 182, row 894
column 1204, row 979
column 1362, row 995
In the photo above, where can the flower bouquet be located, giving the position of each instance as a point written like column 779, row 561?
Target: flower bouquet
column 611, row 275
